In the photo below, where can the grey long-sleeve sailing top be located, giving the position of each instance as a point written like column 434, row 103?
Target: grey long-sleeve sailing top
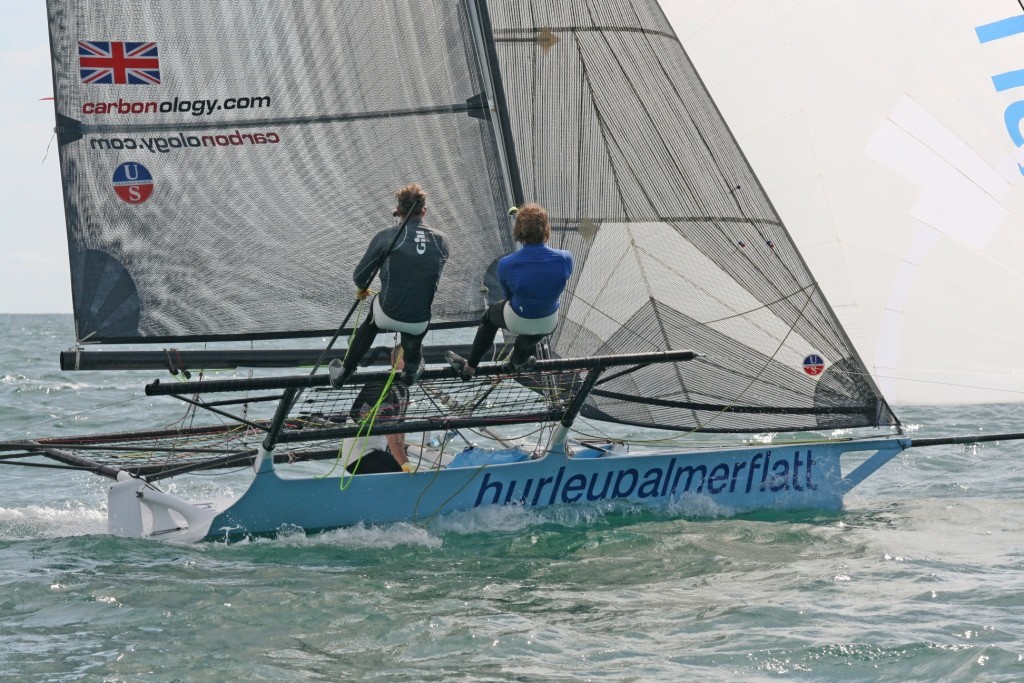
column 410, row 273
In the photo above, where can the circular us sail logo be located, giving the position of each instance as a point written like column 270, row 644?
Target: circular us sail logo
column 814, row 365
column 133, row 182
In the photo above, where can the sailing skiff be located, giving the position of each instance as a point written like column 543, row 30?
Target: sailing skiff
column 224, row 168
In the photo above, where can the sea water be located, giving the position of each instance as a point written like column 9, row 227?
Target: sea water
column 919, row 578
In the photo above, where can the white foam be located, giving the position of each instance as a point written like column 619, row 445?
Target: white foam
column 359, row 536
column 51, row 522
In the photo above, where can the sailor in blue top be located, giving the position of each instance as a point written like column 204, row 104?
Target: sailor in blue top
column 532, row 280
column 409, row 276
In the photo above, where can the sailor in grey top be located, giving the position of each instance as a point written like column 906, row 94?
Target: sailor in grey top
column 409, row 274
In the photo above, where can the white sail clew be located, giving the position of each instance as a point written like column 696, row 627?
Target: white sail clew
column 889, row 137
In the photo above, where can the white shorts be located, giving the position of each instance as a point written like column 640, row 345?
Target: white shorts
column 385, row 323
column 517, row 325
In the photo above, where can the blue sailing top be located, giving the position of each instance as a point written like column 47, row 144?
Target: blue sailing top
column 533, row 279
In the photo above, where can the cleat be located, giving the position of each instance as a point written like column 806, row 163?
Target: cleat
column 459, row 365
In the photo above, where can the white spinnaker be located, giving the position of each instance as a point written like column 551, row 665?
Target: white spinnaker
column 878, row 132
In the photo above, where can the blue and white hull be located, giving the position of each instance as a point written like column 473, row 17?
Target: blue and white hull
column 791, row 477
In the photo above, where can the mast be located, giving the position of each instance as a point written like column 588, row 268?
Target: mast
column 495, row 89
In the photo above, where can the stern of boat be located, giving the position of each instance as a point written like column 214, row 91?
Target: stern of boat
column 138, row 509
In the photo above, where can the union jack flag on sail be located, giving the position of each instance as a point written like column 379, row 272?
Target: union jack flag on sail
column 118, row 62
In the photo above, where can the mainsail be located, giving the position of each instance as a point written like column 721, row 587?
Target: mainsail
column 225, row 167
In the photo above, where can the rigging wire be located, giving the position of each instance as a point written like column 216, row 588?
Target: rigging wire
column 71, row 416
column 47, row 153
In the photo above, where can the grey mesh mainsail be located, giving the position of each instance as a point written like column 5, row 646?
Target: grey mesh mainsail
column 677, row 246
column 225, row 183
column 257, row 147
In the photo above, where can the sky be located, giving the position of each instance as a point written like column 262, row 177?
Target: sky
column 34, row 275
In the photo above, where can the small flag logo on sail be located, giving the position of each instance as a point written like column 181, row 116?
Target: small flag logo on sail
column 814, row 365
column 133, row 182
column 118, row 62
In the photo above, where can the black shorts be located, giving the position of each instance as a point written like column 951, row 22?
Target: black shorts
column 374, row 462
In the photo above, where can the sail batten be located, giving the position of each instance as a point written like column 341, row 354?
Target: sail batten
column 473, row 106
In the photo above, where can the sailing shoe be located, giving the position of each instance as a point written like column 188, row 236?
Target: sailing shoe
column 411, row 373
column 460, row 365
column 339, row 374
